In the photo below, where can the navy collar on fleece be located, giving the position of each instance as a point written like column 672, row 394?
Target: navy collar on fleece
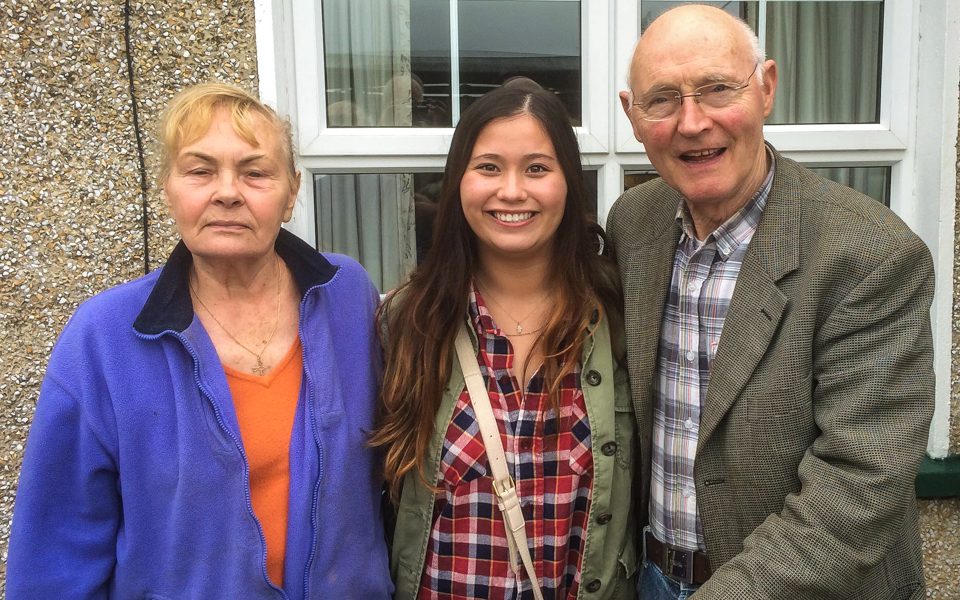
column 169, row 306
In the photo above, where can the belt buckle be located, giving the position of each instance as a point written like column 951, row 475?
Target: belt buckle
column 501, row 487
column 678, row 564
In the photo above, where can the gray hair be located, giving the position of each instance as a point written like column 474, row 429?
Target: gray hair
column 758, row 57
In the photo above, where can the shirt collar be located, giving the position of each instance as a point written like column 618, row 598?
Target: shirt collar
column 169, row 307
column 738, row 228
column 479, row 314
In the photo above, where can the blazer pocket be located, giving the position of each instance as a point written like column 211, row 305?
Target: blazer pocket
column 781, row 400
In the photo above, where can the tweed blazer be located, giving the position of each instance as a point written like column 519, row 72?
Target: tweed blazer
column 817, row 411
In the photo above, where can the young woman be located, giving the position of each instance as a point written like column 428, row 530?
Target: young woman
column 515, row 263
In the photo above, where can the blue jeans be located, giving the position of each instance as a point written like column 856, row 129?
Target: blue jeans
column 654, row 585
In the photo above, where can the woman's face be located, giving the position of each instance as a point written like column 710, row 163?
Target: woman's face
column 513, row 192
column 228, row 197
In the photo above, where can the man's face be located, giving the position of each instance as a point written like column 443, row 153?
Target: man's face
column 714, row 157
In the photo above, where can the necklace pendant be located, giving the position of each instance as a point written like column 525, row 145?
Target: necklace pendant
column 260, row 370
column 519, row 329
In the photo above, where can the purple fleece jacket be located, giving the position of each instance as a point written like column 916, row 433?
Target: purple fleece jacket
column 135, row 481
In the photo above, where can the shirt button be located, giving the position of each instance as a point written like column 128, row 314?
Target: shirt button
column 594, row 586
column 593, row 377
column 609, row 449
column 688, row 424
column 604, row 518
column 692, row 286
column 690, row 355
column 525, row 445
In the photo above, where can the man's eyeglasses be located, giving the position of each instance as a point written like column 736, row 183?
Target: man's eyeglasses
column 664, row 104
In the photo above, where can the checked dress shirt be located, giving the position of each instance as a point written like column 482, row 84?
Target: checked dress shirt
column 701, row 286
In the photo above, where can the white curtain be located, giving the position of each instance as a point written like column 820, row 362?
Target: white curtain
column 371, row 218
column 367, row 56
column 828, row 58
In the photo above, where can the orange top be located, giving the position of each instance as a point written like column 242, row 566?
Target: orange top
column 265, row 408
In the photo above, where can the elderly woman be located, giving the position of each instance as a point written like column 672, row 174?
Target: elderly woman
column 201, row 431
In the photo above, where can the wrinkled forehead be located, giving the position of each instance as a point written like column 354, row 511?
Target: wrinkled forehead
column 251, row 126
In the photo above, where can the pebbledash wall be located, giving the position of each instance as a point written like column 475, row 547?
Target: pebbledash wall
column 73, row 220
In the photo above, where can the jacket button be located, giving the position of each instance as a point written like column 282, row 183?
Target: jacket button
column 593, row 377
column 594, row 586
column 604, row 518
column 609, row 449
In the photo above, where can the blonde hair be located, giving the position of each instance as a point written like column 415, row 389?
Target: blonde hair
column 189, row 114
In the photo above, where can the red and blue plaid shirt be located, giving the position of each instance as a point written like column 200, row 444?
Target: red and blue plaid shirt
column 467, row 554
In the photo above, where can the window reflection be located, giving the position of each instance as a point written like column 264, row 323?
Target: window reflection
column 828, row 54
column 390, row 63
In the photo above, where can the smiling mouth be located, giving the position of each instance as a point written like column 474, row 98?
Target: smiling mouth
column 517, row 217
column 697, row 156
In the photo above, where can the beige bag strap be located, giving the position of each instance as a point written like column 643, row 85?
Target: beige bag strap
column 503, row 484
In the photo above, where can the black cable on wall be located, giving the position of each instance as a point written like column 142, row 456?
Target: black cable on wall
column 136, row 131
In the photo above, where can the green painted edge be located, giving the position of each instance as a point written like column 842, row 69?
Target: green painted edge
column 939, row 478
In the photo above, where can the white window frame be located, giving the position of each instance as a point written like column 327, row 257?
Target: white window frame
column 915, row 136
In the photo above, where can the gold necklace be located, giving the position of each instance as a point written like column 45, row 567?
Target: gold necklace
column 260, row 369
column 520, row 331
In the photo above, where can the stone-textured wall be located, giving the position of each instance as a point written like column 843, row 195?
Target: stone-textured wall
column 955, row 351
column 940, row 530
column 70, row 203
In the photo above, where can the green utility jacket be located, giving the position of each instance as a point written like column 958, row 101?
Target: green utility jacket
column 610, row 553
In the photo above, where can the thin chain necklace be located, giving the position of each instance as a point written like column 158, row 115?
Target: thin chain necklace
column 520, row 331
column 260, row 369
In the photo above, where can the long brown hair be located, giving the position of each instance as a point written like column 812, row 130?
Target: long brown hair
column 422, row 317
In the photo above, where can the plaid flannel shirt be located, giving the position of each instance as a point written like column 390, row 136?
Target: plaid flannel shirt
column 701, row 286
column 467, row 554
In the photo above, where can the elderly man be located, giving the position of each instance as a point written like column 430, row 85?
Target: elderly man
column 779, row 343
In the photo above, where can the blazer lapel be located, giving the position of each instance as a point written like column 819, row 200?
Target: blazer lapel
column 646, row 285
column 758, row 304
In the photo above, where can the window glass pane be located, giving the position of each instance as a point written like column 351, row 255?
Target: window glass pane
column 371, row 217
column 828, row 54
column 385, row 220
column 367, row 48
column 539, row 39
column 872, row 181
column 388, row 63
column 633, row 178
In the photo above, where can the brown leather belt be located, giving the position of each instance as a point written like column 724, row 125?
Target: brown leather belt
column 686, row 566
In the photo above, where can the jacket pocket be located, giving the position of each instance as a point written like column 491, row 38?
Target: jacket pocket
column 781, row 400
column 624, row 426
